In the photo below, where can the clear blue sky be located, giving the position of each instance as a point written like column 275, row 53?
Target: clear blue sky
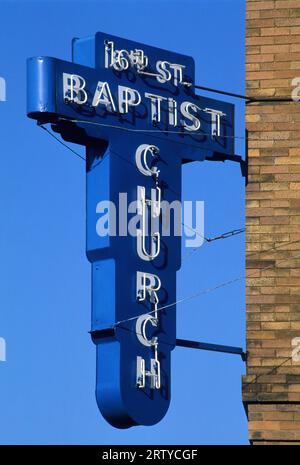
column 47, row 383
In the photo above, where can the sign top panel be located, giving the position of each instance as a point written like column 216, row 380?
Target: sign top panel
column 114, row 84
column 134, row 60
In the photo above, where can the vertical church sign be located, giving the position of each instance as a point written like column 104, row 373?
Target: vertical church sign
column 134, row 109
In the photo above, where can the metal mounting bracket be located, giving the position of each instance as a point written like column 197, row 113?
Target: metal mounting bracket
column 110, row 332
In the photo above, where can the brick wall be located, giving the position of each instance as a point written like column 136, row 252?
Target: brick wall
column 271, row 388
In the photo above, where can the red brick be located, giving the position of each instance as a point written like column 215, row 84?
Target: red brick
column 272, row 224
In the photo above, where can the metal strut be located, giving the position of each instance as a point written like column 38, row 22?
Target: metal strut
column 213, row 347
column 247, row 99
column 110, row 333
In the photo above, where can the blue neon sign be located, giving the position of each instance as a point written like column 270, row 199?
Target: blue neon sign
column 134, row 108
